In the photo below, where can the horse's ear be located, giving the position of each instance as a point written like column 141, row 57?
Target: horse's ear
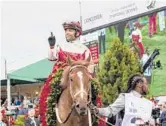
column 69, row 60
column 89, row 58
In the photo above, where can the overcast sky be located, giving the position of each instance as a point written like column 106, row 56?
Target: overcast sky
column 26, row 27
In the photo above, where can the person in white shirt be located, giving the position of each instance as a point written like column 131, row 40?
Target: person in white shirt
column 137, row 38
column 162, row 24
column 26, row 102
column 137, row 109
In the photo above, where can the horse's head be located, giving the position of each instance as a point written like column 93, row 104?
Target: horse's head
column 78, row 79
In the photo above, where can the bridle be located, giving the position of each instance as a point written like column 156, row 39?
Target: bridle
column 80, row 91
column 73, row 96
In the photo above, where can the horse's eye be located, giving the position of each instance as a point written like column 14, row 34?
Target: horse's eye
column 71, row 79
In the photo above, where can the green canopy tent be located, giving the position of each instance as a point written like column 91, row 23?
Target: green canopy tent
column 36, row 72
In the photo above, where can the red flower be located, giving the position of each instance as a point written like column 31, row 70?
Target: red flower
column 43, row 96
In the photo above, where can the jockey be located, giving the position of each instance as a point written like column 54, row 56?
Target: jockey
column 137, row 38
column 72, row 32
column 135, row 106
column 58, row 53
column 73, row 46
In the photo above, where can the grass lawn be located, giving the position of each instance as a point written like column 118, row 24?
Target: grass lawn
column 158, row 86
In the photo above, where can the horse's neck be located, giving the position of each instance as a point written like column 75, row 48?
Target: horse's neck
column 65, row 103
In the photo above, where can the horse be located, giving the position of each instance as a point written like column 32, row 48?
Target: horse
column 72, row 107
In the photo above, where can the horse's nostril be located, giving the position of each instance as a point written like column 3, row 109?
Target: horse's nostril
column 77, row 105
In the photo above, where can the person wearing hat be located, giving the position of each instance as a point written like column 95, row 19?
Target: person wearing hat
column 137, row 109
column 73, row 30
column 58, row 53
column 137, row 38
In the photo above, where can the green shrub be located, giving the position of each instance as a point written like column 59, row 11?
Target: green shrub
column 20, row 121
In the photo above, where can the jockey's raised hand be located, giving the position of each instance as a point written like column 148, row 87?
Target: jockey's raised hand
column 52, row 41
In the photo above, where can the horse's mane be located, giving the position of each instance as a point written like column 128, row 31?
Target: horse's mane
column 65, row 74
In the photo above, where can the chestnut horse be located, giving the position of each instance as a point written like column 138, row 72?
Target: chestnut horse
column 72, row 108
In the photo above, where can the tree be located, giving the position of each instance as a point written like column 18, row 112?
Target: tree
column 119, row 63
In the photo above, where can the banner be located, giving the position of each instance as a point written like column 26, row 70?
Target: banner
column 99, row 13
column 93, row 47
column 138, row 107
column 91, row 41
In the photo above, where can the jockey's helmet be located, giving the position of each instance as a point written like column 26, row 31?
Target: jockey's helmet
column 73, row 25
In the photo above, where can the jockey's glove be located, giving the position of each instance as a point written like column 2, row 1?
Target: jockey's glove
column 52, row 41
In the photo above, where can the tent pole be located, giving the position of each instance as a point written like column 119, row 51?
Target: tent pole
column 8, row 86
column 8, row 92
